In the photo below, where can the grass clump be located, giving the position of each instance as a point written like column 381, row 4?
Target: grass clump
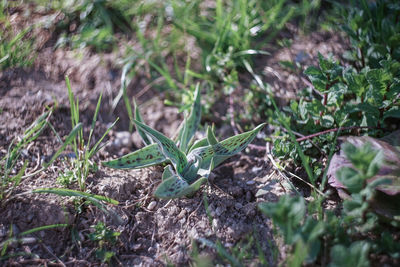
column 15, row 47
column 89, row 23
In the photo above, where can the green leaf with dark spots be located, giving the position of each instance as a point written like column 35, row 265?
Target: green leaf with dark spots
column 192, row 122
column 171, row 187
column 236, row 143
column 146, row 139
column 167, row 147
column 200, row 143
column 176, row 187
column 222, row 150
column 145, row 157
column 168, row 172
column 212, row 140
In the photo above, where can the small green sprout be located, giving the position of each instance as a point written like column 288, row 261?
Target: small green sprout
column 190, row 163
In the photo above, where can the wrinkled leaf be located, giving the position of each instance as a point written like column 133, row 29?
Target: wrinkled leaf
column 144, row 157
column 167, row 146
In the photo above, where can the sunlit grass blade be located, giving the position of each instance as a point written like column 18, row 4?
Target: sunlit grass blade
column 68, row 140
column 192, row 121
column 30, row 134
column 6, row 243
column 74, row 193
column 94, row 119
column 167, row 146
column 96, row 200
column 251, row 52
column 144, row 157
column 97, row 146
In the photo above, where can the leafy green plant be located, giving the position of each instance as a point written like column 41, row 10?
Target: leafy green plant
column 374, row 30
column 350, row 237
column 106, row 238
column 355, row 100
column 190, row 162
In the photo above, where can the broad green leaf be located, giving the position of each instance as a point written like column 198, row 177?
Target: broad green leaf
column 354, row 255
column 146, row 139
column 68, row 140
column 171, row 187
column 236, row 143
column 190, row 173
column 222, row 150
column 192, row 122
column 200, row 143
column 144, row 157
column 176, row 187
column 212, row 140
column 168, row 172
column 167, row 147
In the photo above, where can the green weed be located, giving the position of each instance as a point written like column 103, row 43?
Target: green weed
column 105, row 238
column 89, row 23
column 324, row 236
column 82, row 163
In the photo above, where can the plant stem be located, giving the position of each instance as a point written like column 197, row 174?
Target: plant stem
column 332, row 130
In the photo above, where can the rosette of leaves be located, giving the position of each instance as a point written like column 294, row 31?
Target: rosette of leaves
column 189, row 162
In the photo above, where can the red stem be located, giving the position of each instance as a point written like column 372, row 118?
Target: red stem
column 332, row 130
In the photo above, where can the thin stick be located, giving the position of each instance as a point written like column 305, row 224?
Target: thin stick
column 333, row 130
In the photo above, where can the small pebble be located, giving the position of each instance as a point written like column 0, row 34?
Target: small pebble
column 152, row 205
column 123, row 139
column 238, row 206
column 248, row 196
column 219, row 211
column 215, row 223
column 251, row 182
column 256, row 169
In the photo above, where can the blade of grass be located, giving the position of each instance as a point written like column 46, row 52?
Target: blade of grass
column 74, row 193
column 68, row 140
